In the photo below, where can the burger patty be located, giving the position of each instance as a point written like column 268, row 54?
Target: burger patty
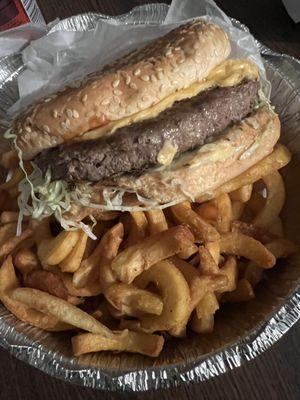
column 182, row 127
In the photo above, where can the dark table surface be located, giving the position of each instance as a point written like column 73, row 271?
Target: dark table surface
column 275, row 374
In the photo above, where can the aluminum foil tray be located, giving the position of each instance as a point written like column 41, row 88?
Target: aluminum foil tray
column 243, row 331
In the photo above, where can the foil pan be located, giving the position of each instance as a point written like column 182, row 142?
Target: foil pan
column 243, row 331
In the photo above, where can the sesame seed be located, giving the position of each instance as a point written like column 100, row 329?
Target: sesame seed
column 105, row 102
column 128, row 80
column 46, row 128
column 69, row 113
column 27, row 128
column 55, row 113
column 69, row 98
column 67, row 122
column 75, row 114
column 177, row 48
column 158, row 69
column 145, row 98
column 117, row 100
column 47, row 100
column 153, row 78
column 181, row 60
column 161, row 88
column 133, row 86
column 20, row 130
column 160, row 75
column 140, row 105
column 145, row 78
column 84, row 98
column 196, row 46
column 90, row 114
column 115, row 83
column 136, row 72
column 118, row 92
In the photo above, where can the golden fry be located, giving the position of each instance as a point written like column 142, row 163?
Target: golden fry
column 8, row 283
column 248, row 229
column 53, row 251
column 60, row 309
column 138, row 227
column 133, row 342
column 46, row 281
column 9, row 216
column 7, row 247
column 132, row 261
column 245, row 246
column 203, row 325
column 274, row 202
column 174, row 292
column 242, row 194
column 207, row 263
column 156, row 221
column 188, row 252
column 214, row 249
column 207, row 211
column 73, row 260
column 93, row 289
column 97, row 266
column 224, row 212
column 243, row 292
column 237, row 209
column 133, row 301
column 230, row 270
column 202, row 230
column 26, row 261
column 207, row 306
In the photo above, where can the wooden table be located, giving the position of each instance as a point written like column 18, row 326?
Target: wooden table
column 275, row 374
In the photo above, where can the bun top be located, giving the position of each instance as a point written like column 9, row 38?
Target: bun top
column 128, row 86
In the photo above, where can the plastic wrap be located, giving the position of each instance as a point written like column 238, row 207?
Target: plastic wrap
column 243, row 331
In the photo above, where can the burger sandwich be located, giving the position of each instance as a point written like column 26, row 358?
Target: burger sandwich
column 168, row 122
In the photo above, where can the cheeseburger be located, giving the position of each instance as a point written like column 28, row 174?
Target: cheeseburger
column 171, row 121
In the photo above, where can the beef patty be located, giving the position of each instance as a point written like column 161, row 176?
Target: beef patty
column 184, row 126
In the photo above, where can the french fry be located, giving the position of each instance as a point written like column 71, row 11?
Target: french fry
column 280, row 157
column 133, row 342
column 243, row 292
column 110, row 250
column 8, row 283
column 207, row 306
column 201, row 229
column 174, row 292
column 199, row 284
column 156, row 221
column 7, row 231
column 135, row 259
column 274, row 202
column 53, row 251
column 60, row 309
column 224, row 212
column 230, row 270
column 73, row 260
column 8, row 217
column 133, row 301
column 207, row 263
column 8, row 247
column 253, row 273
column 46, row 281
column 188, row 252
column 214, row 249
column 132, row 325
column 93, row 289
column 203, row 325
column 260, row 234
column 91, row 244
column 237, row 209
column 97, row 266
column 207, row 211
column 242, row 194
column 256, row 203
column 26, row 261
column 245, row 246
column 138, row 227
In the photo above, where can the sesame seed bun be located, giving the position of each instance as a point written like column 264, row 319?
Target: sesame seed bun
column 127, row 87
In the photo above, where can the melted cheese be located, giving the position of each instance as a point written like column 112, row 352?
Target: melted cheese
column 228, row 73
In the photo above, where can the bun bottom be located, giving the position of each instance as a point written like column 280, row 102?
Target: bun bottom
column 195, row 174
